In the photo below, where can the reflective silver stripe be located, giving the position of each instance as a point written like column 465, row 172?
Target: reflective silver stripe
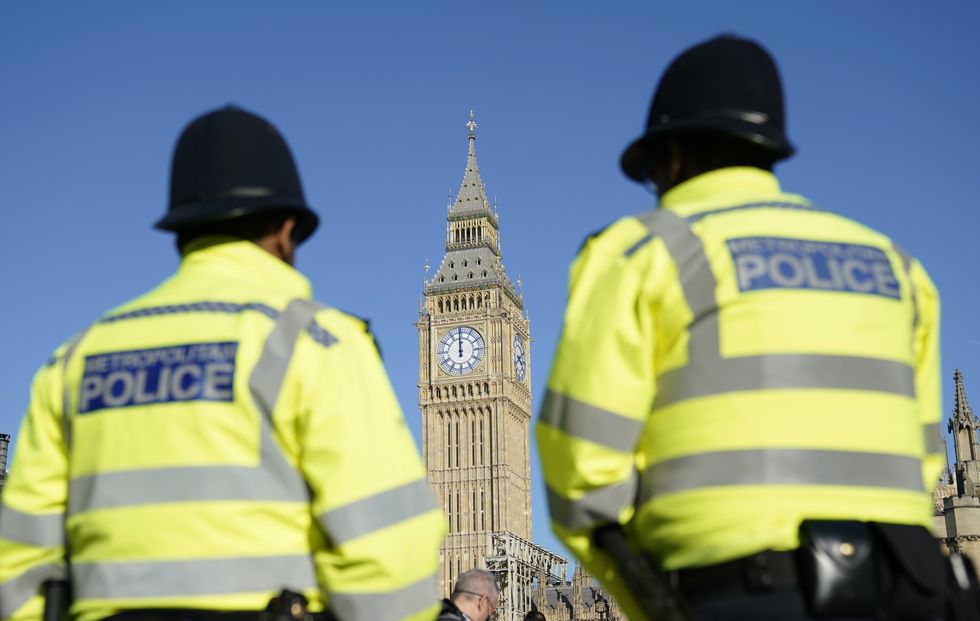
column 15, row 592
column 782, row 467
column 385, row 606
column 45, row 530
column 274, row 479
column 934, row 438
column 708, row 373
column 270, row 481
column 756, row 205
column 600, row 506
column 176, row 578
column 783, row 371
column 269, row 371
column 379, row 511
column 696, row 278
column 591, row 423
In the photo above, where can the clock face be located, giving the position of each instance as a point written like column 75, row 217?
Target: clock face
column 520, row 358
column 461, row 350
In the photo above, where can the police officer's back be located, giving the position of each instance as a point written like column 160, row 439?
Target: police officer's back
column 222, row 437
column 741, row 362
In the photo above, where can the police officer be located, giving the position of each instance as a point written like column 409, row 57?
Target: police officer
column 745, row 378
column 222, row 438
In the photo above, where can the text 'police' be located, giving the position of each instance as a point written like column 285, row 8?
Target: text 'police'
column 774, row 262
column 192, row 372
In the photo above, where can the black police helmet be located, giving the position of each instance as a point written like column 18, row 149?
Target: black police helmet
column 228, row 164
column 727, row 85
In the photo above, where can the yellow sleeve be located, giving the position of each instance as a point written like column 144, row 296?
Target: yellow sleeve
column 32, row 508
column 599, row 396
column 370, row 493
column 928, row 380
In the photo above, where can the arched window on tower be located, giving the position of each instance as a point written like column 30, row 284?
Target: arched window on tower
column 456, row 304
column 454, row 391
column 479, row 298
column 462, row 304
column 440, row 306
column 438, row 393
column 486, row 388
column 469, row 390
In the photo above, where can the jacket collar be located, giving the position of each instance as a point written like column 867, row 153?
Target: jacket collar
column 722, row 185
column 245, row 261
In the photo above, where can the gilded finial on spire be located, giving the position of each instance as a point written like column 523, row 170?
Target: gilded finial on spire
column 471, row 125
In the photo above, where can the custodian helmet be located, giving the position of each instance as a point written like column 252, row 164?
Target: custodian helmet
column 230, row 163
column 727, row 85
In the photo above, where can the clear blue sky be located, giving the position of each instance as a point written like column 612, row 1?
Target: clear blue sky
column 883, row 105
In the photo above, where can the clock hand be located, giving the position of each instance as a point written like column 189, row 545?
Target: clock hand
column 460, row 334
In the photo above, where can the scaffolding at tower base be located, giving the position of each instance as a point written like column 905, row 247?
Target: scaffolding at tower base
column 516, row 563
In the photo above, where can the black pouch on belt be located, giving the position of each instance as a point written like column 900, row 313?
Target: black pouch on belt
column 838, row 572
column 915, row 572
column 964, row 589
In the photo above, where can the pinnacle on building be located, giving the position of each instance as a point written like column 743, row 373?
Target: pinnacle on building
column 957, row 496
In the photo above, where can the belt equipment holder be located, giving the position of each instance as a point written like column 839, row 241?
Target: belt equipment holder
column 890, row 571
column 287, row 606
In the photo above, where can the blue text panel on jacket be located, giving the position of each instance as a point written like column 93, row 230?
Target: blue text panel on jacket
column 781, row 263
column 192, row 372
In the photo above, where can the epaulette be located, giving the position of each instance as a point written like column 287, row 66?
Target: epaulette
column 367, row 328
column 590, row 237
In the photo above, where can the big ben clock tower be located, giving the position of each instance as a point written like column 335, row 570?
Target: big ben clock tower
column 475, row 384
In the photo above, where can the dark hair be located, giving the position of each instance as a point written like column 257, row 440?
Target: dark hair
column 534, row 615
column 252, row 227
column 707, row 151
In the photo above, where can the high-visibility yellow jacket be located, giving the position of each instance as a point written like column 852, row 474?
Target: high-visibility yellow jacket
column 212, row 442
column 732, row 363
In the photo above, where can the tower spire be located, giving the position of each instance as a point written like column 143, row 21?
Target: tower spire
column 963, row 425
column 472, row 196
column 962, row 412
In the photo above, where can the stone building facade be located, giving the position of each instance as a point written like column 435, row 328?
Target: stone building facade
column 474, row 394
column 4, row 444
column 957, row 496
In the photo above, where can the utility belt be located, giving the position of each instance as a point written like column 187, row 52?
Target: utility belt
column 286, row 606
column 851, row 569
